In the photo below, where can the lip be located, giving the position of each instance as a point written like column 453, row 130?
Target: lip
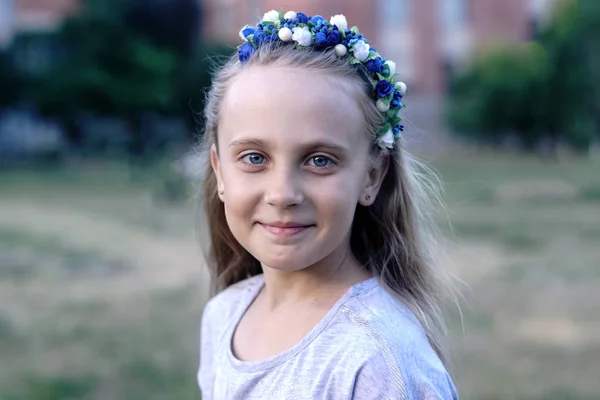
column 285, row 229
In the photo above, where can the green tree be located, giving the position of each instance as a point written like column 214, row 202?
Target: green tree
column 499, row 94
column 548, row 89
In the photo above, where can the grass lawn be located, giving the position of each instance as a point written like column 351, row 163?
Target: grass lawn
column 102, row 285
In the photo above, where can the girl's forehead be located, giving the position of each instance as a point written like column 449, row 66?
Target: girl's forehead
column 291, row 102
column 291, row 83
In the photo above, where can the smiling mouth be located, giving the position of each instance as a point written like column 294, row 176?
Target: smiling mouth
column 285, row 230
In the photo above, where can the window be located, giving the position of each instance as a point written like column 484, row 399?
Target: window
column 453, row 13
column 394, row 12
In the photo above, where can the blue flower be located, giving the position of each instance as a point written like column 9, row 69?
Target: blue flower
column 315, row 20
column 333, row 37
column 259, row 36
column 303, row 18
column 272, row 38
column 320, row 40
column 245, row 52
column 383, row 89
column 396, row 104
column 327, row 39
column 248, row 31
column 375, row 65
column 396, row 100
column 289, row 23
column 397, row 129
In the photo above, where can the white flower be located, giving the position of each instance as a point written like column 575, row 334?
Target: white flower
column 340, row 50
column 382, row 106
column 401, row 86
column 290, row 15
column 271, row 16
column 392, row 66
column 339, row 21
column 302, row 36
column 361, row 50
column 242, row 34
column 386, row 140
column 285, row 34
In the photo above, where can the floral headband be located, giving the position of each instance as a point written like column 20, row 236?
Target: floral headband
column 315, row 32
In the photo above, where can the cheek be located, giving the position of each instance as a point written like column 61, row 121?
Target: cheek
column 240, row 197
column 336, row 200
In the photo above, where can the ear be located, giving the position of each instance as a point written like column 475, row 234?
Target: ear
column 375, row 176
column 215, row 162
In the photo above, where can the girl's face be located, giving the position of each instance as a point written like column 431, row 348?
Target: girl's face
column 293, row 162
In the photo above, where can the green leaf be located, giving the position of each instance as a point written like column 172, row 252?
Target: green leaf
column 281, row 13
column 354, row 61
column 250, row 39
column 394, row 120
column 354, row 29
column 388, row 99
column 369, row 58
column 372, row 55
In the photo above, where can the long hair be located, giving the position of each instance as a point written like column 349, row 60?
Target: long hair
column 394, row 238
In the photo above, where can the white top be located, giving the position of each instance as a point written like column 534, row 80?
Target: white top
column 368, row 346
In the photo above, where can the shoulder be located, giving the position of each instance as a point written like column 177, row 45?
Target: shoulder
column 393, row 350
column 223, row 306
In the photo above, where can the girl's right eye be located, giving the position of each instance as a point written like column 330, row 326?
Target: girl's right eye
column 253, row 159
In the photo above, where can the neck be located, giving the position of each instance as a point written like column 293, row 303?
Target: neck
column 321, row 283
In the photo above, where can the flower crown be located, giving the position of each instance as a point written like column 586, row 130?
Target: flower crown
column 315, row 32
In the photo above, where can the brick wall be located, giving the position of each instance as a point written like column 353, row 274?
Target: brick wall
column 423, row 47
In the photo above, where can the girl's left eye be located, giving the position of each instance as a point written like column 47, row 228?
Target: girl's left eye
column 321, row 161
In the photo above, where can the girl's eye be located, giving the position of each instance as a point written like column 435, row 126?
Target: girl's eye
column 320, row 161
column 254, row 158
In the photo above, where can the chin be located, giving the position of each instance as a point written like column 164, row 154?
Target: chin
column 284, row 263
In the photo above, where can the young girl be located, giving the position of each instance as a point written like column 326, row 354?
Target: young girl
column 318, row 249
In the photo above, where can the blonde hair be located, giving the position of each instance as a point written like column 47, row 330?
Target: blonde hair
column 394, row 238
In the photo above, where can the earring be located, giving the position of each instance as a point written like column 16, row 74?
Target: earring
column 367, row 197
column 221, row 192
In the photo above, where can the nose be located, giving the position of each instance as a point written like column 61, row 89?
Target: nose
column 283, row 188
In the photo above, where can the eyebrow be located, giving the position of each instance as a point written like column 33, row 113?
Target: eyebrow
column 325, row 145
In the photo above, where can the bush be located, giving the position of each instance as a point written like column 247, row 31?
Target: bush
column 548, row 89
column 116, row 61
column 499, row 95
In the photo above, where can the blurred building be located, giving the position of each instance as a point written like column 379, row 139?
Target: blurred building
column 426, row 38
column 31, row 15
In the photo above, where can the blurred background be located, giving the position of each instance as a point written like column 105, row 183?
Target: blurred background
column 101, row 280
